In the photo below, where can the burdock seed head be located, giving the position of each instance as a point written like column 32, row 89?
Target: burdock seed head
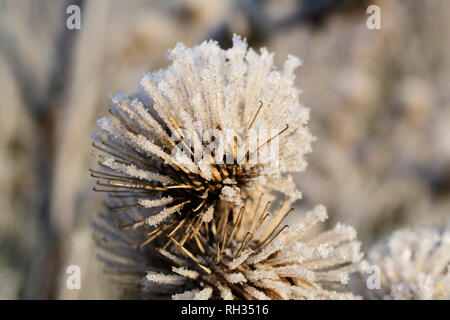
column 200, row 135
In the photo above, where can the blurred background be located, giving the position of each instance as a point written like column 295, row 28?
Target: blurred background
column 379, row 99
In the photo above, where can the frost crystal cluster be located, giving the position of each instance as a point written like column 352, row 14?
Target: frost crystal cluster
column 414, row 265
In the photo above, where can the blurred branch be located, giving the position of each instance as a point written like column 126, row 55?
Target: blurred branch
column 263, row 27
column 310, row 10
column 41, row 97
column 38, row 102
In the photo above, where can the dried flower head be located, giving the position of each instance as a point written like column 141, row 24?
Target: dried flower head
column 248, row 253
column 204, row 131
column 414, row 265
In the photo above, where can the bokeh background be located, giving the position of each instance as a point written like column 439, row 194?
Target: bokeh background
column 379, row 99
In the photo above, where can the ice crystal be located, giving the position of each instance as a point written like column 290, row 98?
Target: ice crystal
column 414, row 265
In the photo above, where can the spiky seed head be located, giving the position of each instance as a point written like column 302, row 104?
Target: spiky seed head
column 413, row 265
column 209, row 129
